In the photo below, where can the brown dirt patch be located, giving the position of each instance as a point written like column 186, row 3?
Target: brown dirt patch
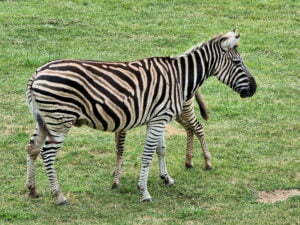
column 277, row 195
column 150, row 220
column 170, row 131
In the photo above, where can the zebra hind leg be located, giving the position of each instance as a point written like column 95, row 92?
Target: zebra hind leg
column 120, row 140
column 206, row 153
column 189, row 142
column 33, row 150
column 189, row 121
column 189, row 148
column 198, row 131
column 48, row 154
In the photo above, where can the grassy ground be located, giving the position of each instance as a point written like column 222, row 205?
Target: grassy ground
column 255, row 142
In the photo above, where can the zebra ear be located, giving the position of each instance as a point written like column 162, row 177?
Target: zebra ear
column 230, row 40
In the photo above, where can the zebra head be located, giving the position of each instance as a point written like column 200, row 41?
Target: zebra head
column 229, row 68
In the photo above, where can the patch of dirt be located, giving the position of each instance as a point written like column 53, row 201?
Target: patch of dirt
column 170, row 131
column 150, row 220
column 114, row 205
column 277, row 195
column 192, row 222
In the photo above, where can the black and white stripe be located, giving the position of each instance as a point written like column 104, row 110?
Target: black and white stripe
column 112, row 96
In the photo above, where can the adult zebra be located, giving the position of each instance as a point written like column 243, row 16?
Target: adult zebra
column 115, row 96
column 191, row 126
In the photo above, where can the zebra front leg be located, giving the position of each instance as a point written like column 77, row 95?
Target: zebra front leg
column 161, row 152
column 48, row 154
column 154, row 133
column 33, row 150
column 120, row 140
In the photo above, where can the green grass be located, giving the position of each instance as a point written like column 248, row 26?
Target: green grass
column 255, row 142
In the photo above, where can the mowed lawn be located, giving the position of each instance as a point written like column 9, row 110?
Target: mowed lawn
column 254, row 142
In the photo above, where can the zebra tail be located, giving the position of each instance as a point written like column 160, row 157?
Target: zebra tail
column 202, row 106
column 34, row 109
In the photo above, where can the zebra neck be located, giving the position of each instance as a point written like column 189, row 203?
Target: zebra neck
column 192, row 71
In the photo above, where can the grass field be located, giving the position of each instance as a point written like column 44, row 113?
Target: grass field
column 254, row 142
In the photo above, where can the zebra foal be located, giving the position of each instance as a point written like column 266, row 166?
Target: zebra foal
column 118, row 96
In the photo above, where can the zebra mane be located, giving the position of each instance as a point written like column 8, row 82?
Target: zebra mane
column 195, row 47
column 192, row 49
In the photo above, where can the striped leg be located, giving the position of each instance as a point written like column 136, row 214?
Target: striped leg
column 48, row 153
column 154, row 134
column 120, row 140
column 160, row 150
column 189, row 148
column 189, row 121
column 33, row 150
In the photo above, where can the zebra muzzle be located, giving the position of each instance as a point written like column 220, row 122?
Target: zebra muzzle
column 249, row 92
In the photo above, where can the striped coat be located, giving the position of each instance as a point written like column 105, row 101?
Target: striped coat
column 107, row 96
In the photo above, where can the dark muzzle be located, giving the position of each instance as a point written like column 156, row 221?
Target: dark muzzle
column 248, row 92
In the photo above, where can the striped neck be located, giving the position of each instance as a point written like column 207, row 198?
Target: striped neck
column 194, row 67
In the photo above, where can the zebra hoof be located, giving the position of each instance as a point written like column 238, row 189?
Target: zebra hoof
column 32, row 192
column 146, row 200
column 188, row 166
column 208, row 167
column 61, row 200
column 114, row 186
column 169, row 181
column 33, row 195
column 145, row 195
column 65, row 202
